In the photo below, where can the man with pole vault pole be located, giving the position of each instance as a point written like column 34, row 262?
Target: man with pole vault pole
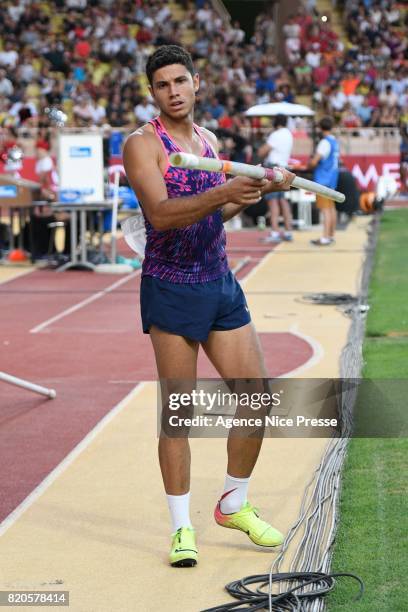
column 188, row 294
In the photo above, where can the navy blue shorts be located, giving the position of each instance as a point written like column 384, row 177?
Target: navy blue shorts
column 193, row 309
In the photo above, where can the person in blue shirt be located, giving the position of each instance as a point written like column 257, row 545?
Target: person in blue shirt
column 265, row 83
column 325, row 165
column 215, row 108
column 364, row 112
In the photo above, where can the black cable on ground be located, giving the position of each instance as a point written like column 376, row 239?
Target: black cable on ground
column 289, row 600
column 334, row 299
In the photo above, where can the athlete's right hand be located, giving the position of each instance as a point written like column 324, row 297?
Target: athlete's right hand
column 244, row 191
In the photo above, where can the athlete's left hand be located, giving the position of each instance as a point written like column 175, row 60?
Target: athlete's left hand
column 283, row 185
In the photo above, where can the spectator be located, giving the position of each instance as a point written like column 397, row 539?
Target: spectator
column 204, row 15
column 356, row 99
column 403, row 99
column 337, row 100
column 303, row 76
column 399, row 83
column 349, row 117
column 201, row 46
column 304, row 19
column 87, row 112
column 82, row 48
column 9, row 56
column 325, row 164
column 292, row 48
column 389, row 116
column 349, row 83
column 372, row 98
column 215, row 108
column 388, row 97
column 288, row 95
column 276, row 152
column 265, row 83
column 312, row 38
column 236, row 74
column 364, row 111
column 292, row 29
column 23, row 110
column 56, row 57
column 313, row 56
column 145, row 111
column 225, row 122
column 322, row 73
column 236, row 35
column 6, row 86
column 209, row 122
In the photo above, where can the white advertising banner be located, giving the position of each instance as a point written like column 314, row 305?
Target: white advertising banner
column 80, row 167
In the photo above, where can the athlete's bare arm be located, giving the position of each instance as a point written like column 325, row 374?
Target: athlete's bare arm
column 231, row 209
column 144, row 162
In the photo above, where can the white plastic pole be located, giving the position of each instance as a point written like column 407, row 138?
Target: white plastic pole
column 19, row 382
column 187, row 160
column 114, row 225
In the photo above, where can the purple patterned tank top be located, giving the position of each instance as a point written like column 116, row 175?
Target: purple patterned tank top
column 192, row 254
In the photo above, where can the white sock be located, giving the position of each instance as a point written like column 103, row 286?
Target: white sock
column 234, row 495
column 179, row 506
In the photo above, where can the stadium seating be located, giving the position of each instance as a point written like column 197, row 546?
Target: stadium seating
column 88, row 57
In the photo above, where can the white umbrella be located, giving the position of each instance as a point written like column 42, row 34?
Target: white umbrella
column 279, row 108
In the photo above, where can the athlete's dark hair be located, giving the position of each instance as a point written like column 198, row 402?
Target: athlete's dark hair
column 280, row 121
column 167, row 55
column 326, row 124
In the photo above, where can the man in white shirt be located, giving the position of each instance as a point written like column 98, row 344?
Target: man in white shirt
column 388, row 97
column 313, row 56
column 87, row 113
column 163, row 14
column 6, row 86
column 145, row 111
column 204, row 14
column 276, row 152
column 291, row 29
column 9, row 56
column 355, row 100
column 337, row 100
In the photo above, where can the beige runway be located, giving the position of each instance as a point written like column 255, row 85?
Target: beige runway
column 100, row 529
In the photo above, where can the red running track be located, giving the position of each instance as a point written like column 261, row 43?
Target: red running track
column 93, row 357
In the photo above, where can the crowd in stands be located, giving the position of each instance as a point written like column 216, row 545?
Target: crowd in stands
column 87, row 57
column 363, row 82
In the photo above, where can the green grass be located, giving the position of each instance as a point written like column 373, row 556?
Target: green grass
column 388, row 293
column 372, row 537
column 386, row 357
column 371, row 540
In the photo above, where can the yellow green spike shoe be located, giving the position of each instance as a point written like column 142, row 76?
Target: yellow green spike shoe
column 247, row 520
column 184, row 551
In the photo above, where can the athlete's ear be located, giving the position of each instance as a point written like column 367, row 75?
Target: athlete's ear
column 196, row 81
column 150, row 88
